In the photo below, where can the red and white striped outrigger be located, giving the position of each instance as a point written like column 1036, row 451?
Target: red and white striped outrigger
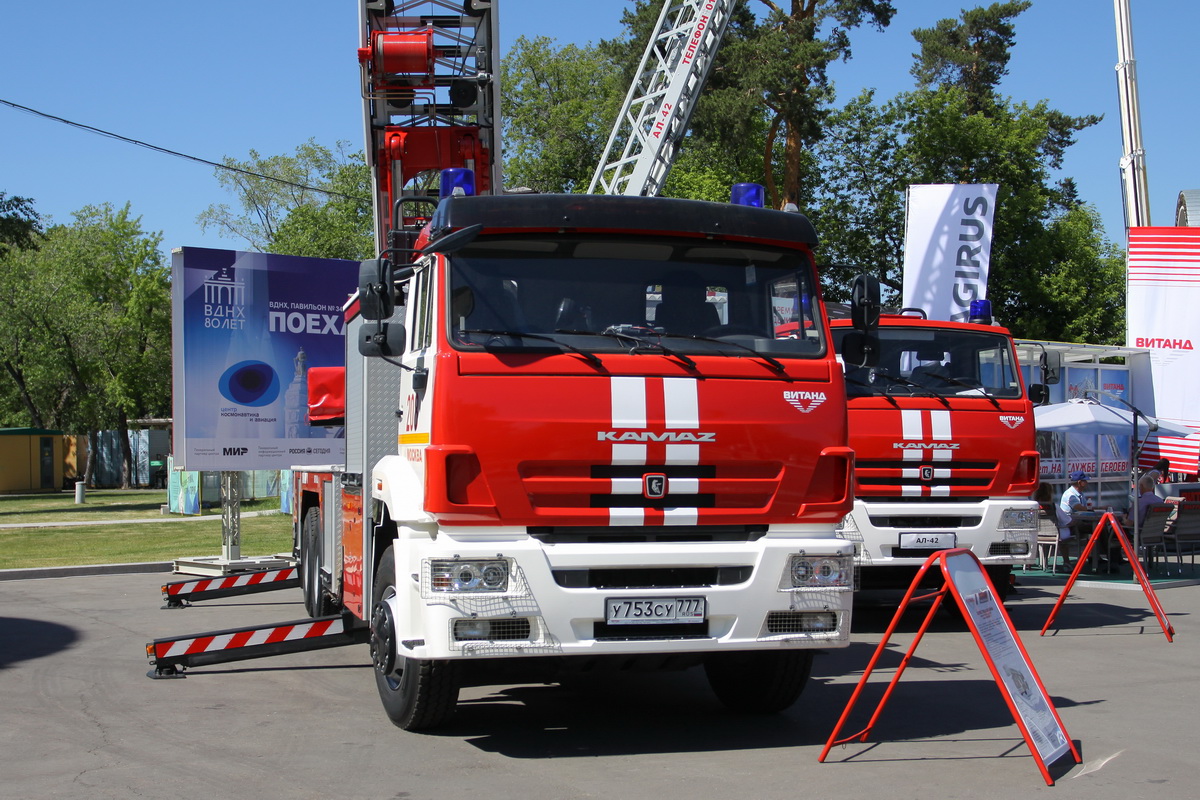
column 180, row 593
column 169, row 655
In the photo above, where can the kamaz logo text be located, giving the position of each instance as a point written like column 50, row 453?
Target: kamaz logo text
column 804, row 401
column 1012, row 420
column 926, row 445
column 648, row 436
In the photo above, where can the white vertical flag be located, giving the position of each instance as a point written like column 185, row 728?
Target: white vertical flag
column 947, row 247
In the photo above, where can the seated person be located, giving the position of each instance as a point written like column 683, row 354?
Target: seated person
column 1071, row 502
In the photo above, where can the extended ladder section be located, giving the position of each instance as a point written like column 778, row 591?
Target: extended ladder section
column 430, row 75
column 654, row 118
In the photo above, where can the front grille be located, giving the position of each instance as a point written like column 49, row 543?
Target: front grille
column 583, row 534
column 604, row 632
column 933, row 523
column 903, row 478
column 563, row 487
column 652, row 578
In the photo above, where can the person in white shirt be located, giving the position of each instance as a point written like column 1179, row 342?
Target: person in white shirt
column 1072, row 500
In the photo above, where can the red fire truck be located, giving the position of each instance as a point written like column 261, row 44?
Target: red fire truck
column 943, row 434
column 573, row 440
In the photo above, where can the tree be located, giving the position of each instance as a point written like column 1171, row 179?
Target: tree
column 786, row 59
column 19, row 222
column 556, row 102
column 972, row 53
column 769, row 86
column 339, row 228
column 961, row 131
column 270, row 188
column 85, row 339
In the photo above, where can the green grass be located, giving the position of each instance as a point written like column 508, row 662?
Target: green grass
column 165, row 538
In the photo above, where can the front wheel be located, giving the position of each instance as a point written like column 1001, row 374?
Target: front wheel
column 758, row 682
column 416, row 694
column 1002, row 579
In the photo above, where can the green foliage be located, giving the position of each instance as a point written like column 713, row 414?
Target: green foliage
column 19, row 222
column 556, row 104
column 971, row 53
column 330, row 185
column 339, row 228
column 85, row 325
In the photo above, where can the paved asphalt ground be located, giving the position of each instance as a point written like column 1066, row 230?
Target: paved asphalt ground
column 80, row 718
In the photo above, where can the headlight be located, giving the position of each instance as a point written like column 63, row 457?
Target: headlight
column 1018, row 519
column 806, row 571
column 468, row 576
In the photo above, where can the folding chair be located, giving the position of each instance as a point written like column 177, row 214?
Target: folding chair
column 1047, row 543
column 1186, row 530
column 1153, row 530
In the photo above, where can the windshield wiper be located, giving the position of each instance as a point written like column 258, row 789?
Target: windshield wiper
column 870, row 390
column 775, row 363
column 900, row 381
column 982, row 391
column 638, row 343
column 592, row 357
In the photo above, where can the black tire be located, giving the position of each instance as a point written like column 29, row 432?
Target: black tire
column 1002, row 579
column 417, row 694
column 759, row 682
column 317, row 602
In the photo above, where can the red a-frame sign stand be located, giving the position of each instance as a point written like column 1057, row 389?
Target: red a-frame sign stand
column 1109, row 520
column 993, row 631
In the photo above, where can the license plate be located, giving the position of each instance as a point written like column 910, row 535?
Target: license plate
column 650, row 610
column 927, row 541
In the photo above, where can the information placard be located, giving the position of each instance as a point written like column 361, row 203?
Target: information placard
column 993, row 630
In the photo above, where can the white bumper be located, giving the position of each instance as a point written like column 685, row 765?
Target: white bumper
column 876, row 529
column 541, row 616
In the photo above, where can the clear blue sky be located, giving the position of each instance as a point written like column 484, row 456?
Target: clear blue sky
column 227, row 76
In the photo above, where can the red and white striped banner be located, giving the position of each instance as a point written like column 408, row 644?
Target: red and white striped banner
column 1162, row 295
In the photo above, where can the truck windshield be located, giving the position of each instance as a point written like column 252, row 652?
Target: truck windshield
column 605, row 294
column 923, row 360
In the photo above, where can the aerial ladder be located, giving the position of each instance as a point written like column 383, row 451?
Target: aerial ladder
column 660, row 102
column 430, row 92
column 1134, row 186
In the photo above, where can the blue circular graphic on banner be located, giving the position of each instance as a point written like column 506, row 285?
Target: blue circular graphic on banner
column 250, row 383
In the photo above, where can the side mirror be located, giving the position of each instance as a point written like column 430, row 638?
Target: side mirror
column 860, row 349
column 376, row 289
column 1051, row 367
column 385, row 339
column 1039, row 393
column 864, row 303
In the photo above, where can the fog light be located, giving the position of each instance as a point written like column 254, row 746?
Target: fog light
column 472, row 629
column 781, row 623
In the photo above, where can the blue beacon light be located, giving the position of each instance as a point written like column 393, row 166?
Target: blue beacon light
column 457, row 178
column 747, row 194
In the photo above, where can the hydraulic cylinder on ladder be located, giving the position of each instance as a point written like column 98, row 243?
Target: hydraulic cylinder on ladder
column 654, row 117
